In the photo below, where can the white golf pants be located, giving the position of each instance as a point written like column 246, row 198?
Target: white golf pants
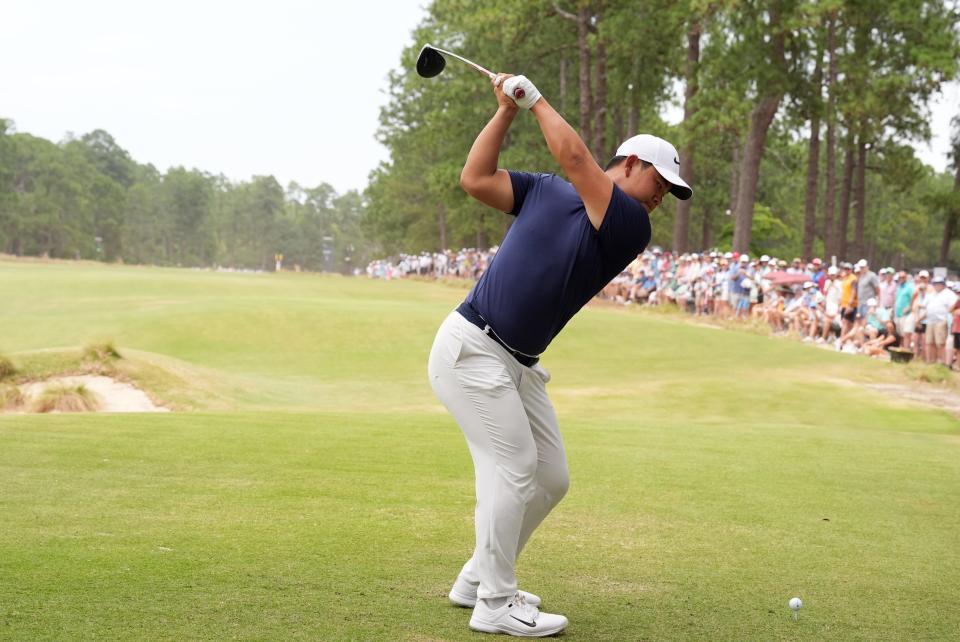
column 512, row 432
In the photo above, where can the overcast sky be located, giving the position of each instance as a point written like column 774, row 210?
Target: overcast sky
column 287, row 87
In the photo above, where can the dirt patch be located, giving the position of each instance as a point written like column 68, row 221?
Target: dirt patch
column 113, row 395
column 927, row 395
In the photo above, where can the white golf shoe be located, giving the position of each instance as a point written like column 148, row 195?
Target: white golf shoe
column 464, row 594
column 517, row 618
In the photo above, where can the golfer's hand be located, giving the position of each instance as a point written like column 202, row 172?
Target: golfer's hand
column 522, row 91
column 505, row 101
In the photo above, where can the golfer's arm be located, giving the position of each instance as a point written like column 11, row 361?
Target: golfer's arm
column 480, row 177
column 592, row 184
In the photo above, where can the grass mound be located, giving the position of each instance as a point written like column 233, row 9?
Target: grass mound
column 62, row 398
column 936, row 373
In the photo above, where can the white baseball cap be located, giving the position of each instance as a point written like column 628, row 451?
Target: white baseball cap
column 744, row 258
column 832, row 270
column 661, row 155
column 764, row 259
column 862, row 263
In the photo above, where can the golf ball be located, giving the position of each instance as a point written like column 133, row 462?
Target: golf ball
column 796, row 603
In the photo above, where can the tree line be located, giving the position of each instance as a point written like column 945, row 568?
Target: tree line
column 86, row 198
column 797, row 119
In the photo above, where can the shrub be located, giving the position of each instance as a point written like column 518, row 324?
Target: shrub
column 10, row 397
column 7, row 369
column 64, row 398
column 102, row 351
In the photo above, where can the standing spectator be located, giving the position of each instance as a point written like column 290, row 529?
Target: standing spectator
column 868, row 287
column 918, row 305
column 848, row 301
column 902, row 311
column 831, row 307
column 888, row 290
column 818, row 275
column 939, row 307
column 955, row 325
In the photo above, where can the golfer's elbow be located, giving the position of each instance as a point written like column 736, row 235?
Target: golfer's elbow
column 472, row 182
column 467, row 181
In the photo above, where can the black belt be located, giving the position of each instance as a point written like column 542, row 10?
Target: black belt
column 470, row 313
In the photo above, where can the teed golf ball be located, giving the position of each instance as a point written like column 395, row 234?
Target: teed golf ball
column 796, row 603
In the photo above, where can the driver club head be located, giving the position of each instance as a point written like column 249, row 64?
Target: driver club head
column 430, row 63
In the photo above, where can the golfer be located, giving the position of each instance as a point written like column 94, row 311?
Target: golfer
column 567, row 242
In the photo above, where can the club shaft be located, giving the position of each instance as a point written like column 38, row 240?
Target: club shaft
column 489, row 73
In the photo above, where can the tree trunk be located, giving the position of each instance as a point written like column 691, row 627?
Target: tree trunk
column 617, row 123
column 844, row 221
column 859, row 249
column 442, row 224
column 950, row 225
column 563, row 85
column 830, row 197
column 706, row 236
column 482, row 235
column 734, row 176
column 681, row 228
column 599, row 147
column 813, row 164
column 760, row 120
column 583, row 29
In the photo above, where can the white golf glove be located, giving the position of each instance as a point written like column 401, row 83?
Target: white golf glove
column 530, row 92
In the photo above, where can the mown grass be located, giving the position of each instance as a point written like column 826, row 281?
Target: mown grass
column 318, row 491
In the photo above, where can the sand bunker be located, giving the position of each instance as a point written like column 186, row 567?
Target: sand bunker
column 113, row 395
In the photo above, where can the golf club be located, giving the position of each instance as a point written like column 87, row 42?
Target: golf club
column 430, row 63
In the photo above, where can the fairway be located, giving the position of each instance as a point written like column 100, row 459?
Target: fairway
column 309, row 486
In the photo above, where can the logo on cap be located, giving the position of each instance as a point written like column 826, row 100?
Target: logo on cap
column 676, row 160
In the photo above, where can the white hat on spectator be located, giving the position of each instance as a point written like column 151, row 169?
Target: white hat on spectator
column 809, row 284
column 832, row 270
column 728, row 255
column 744, row 258
column 862, row 263
column 764, row 259
column 923, row 274
column 871, row 302
column 938, row 280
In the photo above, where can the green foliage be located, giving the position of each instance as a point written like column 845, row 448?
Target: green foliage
column 770, row 234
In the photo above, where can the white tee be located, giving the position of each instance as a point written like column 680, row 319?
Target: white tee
column 939, row 304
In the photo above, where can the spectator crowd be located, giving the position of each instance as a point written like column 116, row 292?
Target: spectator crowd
column 846, row 306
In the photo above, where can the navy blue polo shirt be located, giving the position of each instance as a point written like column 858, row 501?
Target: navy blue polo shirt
column 552, row 261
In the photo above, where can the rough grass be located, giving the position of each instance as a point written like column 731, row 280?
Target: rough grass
column 7, row 369
column 10, row 397
column 64, row 398
column 320, row 492
column 101, row 351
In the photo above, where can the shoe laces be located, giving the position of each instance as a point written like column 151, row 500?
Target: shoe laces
column 528, row 611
